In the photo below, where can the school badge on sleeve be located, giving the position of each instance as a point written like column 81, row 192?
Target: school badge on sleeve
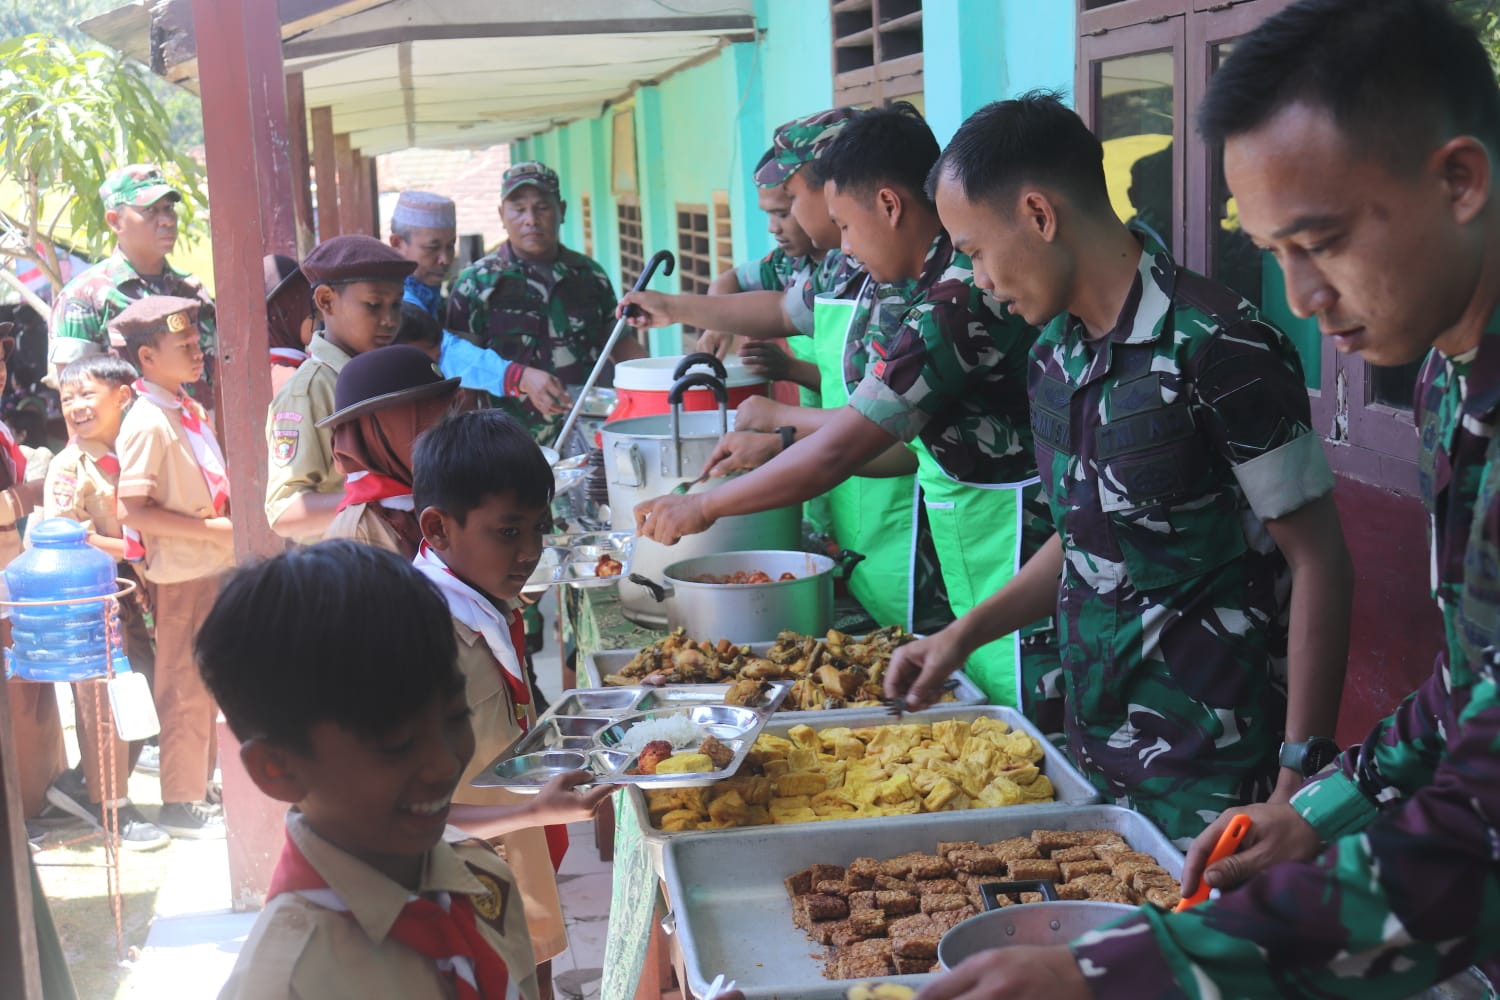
column 491, row 906
column 283, row 446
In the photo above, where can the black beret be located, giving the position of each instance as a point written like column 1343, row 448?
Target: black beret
column 343, row 259
column 385, row 377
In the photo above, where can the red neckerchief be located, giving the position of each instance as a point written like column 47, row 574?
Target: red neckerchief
column 442, row 930
column 371, row 487
column 286, row 357
column 201, row 440
column 135, row 546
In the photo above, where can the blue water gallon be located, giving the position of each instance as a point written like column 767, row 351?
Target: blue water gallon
column 60, row 642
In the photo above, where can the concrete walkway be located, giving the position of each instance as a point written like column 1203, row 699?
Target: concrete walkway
column 195, row 937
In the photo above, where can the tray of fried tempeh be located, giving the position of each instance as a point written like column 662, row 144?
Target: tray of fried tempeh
column 834, row 672
column 658, row 738
column 932, row 861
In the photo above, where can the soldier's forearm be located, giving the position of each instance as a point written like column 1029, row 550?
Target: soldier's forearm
column 1321, row 603
column 1030, row 596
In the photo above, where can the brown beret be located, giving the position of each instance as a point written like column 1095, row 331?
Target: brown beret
column 343, row 259
column 153, row 315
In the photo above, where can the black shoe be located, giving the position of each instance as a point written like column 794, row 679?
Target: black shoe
column 191, row 820
column 215, row 796
column 68, row 794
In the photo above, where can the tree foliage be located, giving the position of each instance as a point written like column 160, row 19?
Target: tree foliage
column 67, row 118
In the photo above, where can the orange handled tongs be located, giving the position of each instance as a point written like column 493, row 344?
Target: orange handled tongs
column 1229, row 842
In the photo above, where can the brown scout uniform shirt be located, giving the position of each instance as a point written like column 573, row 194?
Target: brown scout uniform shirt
column 79, row 490
column 157, row 463
column 525, row 850
column 301, row 951
column 301, row 453
column 352, row 523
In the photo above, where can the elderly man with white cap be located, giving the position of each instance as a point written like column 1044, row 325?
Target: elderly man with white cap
column 424, row 230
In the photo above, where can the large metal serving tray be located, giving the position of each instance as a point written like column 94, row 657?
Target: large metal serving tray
column 734, row 917
column 583, row 729
column 612, row 661
column 1068, row 783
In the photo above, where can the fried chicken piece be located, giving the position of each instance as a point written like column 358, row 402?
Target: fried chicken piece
column 717, row 752
column 608, row 565
column 746, row 692
column 785, row 577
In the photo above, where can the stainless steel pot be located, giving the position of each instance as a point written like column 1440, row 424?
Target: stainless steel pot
column 746, row 612
column 1049, row 922
column 644, row 459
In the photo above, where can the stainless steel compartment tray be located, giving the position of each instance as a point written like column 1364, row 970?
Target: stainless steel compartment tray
column 584, row 729
column 572, row 559
column 1068, row 783
column 611, row 661
column 733, row 914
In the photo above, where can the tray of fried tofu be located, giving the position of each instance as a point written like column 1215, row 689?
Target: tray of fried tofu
column 658, row 738
column 833, row 672
column 984, row 759
column 839, row 902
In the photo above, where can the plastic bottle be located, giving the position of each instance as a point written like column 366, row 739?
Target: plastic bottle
column 60, row 642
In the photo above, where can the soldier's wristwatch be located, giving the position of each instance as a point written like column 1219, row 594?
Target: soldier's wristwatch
column 788, row 436
column 1310, row 756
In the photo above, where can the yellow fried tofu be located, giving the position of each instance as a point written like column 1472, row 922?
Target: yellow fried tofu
column 942, row 795
column 731, row 810
column 836, row 771
column 1039, row 790
column 804, row 783
column 786, row 803
column 984, row 724
column 896, row 789
column 828, row 738
column 776, row 746
column 848, row 748
column 1023, row 746
column 776, row 768
column 835, row 805
column 925, row 779
column 863, row 792
column 755, row 790
column 910, row 806
column 1021, row 774
column 685, row 763
column 802, row 760
column 803, row 736
column 999, row 792
column 803, row 815
column 951, row 734
column 680, row 819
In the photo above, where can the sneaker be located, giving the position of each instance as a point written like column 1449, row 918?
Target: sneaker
column 68, row 794
column 191, row 820
column 150, row 760
column 215, row 796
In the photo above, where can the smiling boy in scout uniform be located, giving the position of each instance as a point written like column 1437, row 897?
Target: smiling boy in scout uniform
column 357, row 287
column 174, row 494
column 374, row 894
column 1204, row 594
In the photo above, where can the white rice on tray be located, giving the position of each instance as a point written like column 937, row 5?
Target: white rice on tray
column 678, row 730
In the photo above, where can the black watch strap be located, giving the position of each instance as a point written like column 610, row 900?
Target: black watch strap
column 1310, row 756
column 788, row 436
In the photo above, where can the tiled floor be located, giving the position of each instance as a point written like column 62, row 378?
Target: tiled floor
column 195, row 937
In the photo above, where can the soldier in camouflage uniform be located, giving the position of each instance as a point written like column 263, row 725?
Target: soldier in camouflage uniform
column 546, row 309
column 140, row 206
column 1172, row 436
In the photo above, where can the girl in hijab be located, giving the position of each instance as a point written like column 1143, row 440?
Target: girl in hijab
column 289, row 316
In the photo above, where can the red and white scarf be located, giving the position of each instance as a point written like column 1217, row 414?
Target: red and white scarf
column 135, row 546
column 503, row 632
column 442, row 928
column 200, row 438
column 11, row 454
column 287, row 357
column 365, row 486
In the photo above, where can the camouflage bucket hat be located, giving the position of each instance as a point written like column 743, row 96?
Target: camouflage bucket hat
column 529, row 172
column 800, row 141
column 137, row 185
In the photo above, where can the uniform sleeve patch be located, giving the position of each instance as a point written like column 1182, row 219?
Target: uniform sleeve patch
column 64, row 489
column 283, row 446
column 291, row 416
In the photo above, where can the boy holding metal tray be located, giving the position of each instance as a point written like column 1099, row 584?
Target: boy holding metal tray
column 483, row 489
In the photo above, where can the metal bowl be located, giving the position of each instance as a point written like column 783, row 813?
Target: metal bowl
column 1050, row 922
column 539, row 768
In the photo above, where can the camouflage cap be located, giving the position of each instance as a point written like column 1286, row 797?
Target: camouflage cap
column 800, row 141
column 529, row 172
column 151, row 316
column 137, row 185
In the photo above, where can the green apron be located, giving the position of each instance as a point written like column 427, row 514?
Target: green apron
column 875, row 517
column 976, row 529
column 816, row 511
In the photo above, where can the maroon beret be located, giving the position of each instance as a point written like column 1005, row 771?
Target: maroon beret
column 153, row 315
column 343, row 259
